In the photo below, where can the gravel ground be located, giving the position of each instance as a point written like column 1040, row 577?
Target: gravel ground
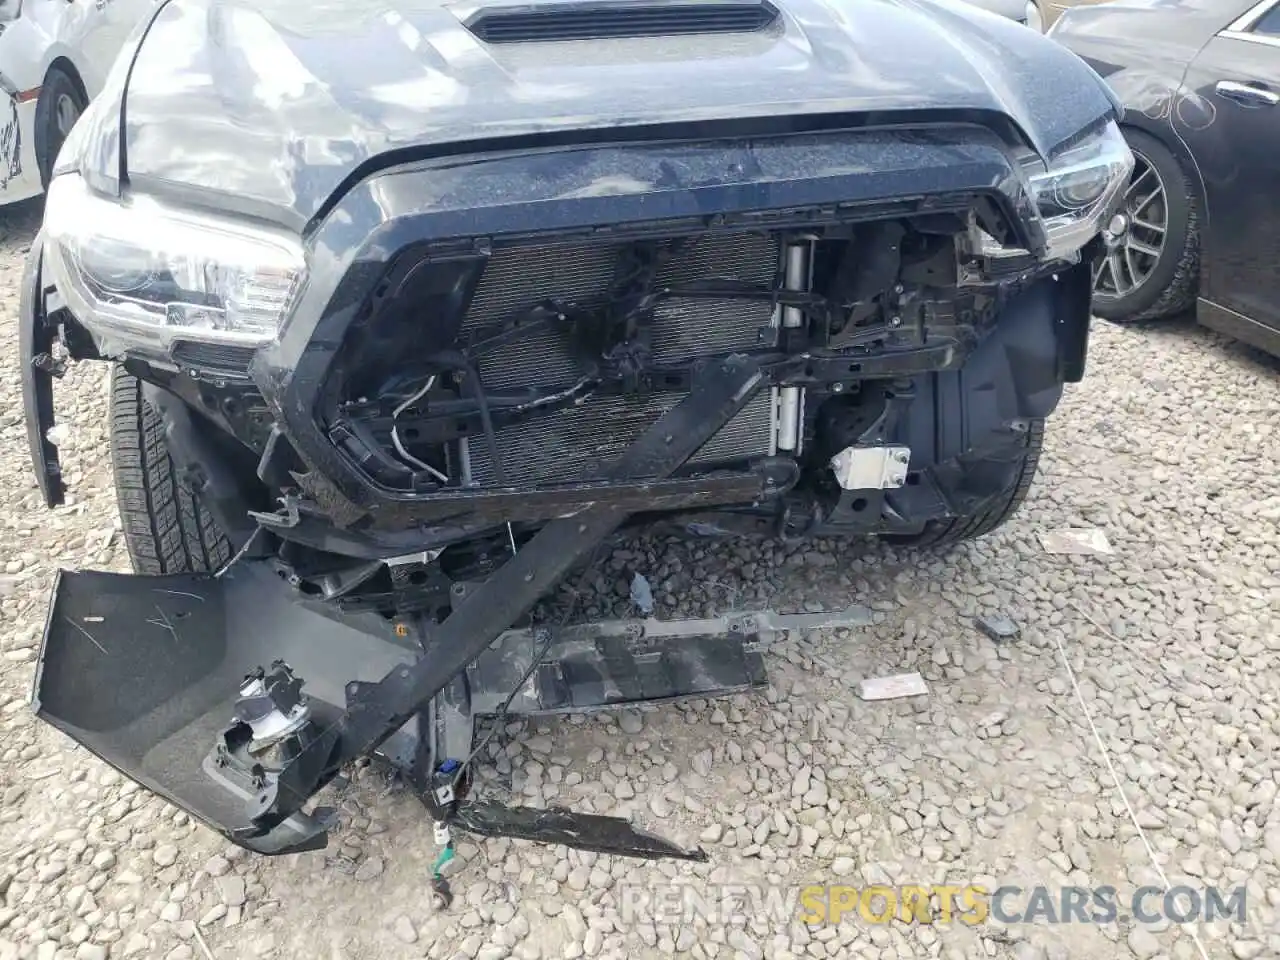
column 1170, row 448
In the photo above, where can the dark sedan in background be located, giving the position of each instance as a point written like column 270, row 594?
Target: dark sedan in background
column 1200, row 82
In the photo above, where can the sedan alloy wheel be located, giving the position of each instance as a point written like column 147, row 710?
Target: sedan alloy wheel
column 1135, row 237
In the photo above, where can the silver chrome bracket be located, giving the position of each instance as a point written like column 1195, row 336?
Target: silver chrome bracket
column 871, row 468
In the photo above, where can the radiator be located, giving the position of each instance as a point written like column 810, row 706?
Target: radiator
column 579, row 443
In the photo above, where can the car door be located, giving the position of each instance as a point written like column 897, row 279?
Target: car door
column 1235, row 137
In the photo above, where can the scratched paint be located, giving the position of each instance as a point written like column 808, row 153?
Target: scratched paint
column 1163, row 98
column 10, row 146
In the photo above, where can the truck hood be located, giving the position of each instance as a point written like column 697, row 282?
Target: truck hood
column 276, row 102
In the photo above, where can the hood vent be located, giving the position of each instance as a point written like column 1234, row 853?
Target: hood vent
column 618, row 18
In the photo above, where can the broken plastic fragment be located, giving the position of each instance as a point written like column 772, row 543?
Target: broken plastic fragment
column 642, row 594
column 1087, row 542
column 998, row 627
column 892, row 688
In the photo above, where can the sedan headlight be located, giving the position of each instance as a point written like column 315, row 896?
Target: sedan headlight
column 143, row 273
column 1078, row 191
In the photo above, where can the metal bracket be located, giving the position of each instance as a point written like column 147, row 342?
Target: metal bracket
column 871, row 468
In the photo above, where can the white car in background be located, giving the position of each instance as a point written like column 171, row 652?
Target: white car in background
column 54, row 56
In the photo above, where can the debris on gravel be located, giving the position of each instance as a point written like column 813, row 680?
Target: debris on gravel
column 1170, row 451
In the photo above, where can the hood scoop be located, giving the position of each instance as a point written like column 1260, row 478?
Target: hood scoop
column 608, row 19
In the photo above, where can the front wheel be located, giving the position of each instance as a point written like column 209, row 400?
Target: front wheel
column 166, row 528
column 57, row 111
column 1150, row 264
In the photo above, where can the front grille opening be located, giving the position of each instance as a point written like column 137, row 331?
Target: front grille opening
column 537, row 363
column 570, row 375
column 598, row 21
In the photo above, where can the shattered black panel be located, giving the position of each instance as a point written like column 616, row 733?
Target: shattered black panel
column 585, row 831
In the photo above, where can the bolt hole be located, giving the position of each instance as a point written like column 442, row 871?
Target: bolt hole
column 858, row 505
column 855, row 368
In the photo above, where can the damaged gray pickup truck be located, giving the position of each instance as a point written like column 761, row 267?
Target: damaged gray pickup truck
column 413, row 306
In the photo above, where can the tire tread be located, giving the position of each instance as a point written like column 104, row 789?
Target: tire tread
column 165, row 528
column 940, row 533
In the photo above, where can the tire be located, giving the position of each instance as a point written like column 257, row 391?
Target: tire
column 1170, row 286
column 165, row 528
column 59, row 94
column 953, row 530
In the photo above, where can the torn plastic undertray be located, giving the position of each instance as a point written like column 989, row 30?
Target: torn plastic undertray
column 144, row 670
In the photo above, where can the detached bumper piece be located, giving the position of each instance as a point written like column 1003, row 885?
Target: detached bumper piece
column 147, row 672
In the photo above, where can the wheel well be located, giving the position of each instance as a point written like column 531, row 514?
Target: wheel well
column 1185, row 160
column 65, row 66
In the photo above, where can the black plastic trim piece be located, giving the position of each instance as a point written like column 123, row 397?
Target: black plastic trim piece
column 36, row 371
column 604, row 19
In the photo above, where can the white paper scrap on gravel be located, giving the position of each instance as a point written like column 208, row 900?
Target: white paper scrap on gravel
column 892, row 688
column 1090, row 542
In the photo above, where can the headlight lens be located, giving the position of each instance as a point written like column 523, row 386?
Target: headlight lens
column 147, row 274
column 1078, row 191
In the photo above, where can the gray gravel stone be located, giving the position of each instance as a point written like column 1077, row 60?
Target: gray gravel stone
column 165, row 855
column 404, row 929
column 1142, row 943
column 369, row 869
column 232, row 890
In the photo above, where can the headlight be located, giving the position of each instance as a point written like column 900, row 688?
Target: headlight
column 145, row 273
column 1078, row 191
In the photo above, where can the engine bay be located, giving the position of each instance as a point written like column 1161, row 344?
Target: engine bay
column 566, row 352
